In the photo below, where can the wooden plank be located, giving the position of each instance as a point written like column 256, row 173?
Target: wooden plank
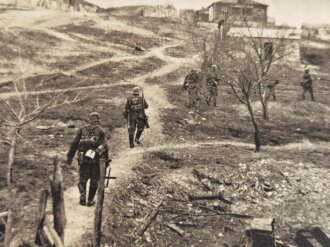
column 149, row 218
column 176, row 229
column 57, row 240
column 47, row 238
column 209, row 197
column 56, row 184
column 3, row 214
column 99, row 206
column 41, row 216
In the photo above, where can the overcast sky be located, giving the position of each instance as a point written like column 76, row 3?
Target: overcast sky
column 292, row 12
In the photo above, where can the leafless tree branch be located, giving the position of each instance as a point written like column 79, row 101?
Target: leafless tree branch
column 10, row 108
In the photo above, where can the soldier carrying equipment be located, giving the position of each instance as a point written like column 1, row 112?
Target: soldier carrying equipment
column 270, row 90
column 135, row 116
column 191, row 85
column 212, row 86
column 91, row 143
column 306, row 84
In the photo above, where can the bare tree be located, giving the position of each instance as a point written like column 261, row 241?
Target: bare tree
column 240, row 75
column 208, row 45
column 268, row 48
column 21, row 112
column 233, row 59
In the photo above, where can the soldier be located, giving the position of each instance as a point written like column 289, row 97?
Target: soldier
column 91, row 144
column 306, row 84
column 270, row 89
column 135, row 116
column 212, row 86
column 191, row 85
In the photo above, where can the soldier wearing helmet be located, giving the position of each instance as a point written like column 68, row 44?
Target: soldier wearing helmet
column 270, row 90
column 306, row 84
column 212, row 81
column 191, row 84
column 91, row 144
column 135, row 116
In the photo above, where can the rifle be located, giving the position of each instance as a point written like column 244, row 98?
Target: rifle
column 108, row 177
column 146, row 123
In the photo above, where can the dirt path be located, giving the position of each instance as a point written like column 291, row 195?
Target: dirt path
column 158, row 52
column 80, row 219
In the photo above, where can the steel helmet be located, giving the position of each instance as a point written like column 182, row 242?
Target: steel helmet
column 94, row 114
column 136, row 90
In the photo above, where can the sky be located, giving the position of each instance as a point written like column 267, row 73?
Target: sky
column 291, row 12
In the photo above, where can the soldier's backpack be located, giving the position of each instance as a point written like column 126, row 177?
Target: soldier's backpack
column 87, row 146
column 136, row 104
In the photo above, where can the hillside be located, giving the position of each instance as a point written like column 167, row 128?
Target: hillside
column 186, row 152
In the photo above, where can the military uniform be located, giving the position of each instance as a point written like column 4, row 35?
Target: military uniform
column 191, row 85
column 307, row 86
column 91, row 143
column 212, row 89
column 135, row 116
column 270, row 89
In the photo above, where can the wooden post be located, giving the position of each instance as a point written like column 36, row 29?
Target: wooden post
column 40, row 239
column 58, row 242
column 56, row 184
column 3, row 219
column 99, row 206
column 150, row 217
column 3, row 214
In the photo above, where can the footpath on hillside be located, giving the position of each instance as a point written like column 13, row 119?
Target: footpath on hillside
column 186, row 152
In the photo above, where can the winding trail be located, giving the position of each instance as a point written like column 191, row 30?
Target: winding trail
column 157, row 52
column 80, row 219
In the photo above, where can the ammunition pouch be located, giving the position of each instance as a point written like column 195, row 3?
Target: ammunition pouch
column 101, row 150
column 87, row 158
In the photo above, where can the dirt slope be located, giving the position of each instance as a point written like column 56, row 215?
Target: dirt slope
column 61, row 49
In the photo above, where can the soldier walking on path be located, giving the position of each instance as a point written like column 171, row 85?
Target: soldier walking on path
column 135, row 116
column 191, row 85
column 212, row 81
column 270, row 89
column 306, row 84
column 91, row 143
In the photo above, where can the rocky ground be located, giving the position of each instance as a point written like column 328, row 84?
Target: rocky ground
column 185, row 154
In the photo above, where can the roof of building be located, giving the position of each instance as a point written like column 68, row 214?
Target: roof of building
column 239, row 2
column 315, row 26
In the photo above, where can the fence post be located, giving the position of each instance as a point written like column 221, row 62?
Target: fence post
column 99, row 206
column 56, row 184
column 40, row 239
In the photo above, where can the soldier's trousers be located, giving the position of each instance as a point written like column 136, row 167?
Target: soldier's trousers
column 310, row 90
column 270, row 93
column 134, row 122
column 193, row 96
column 89, row 171
column 212, row 94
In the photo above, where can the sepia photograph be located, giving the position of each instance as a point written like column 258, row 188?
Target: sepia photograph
column 165, row 123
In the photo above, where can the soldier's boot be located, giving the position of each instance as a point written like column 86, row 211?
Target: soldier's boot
column 91, row 195
column 137, row 136
column 82, row 190
column 131, row 140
